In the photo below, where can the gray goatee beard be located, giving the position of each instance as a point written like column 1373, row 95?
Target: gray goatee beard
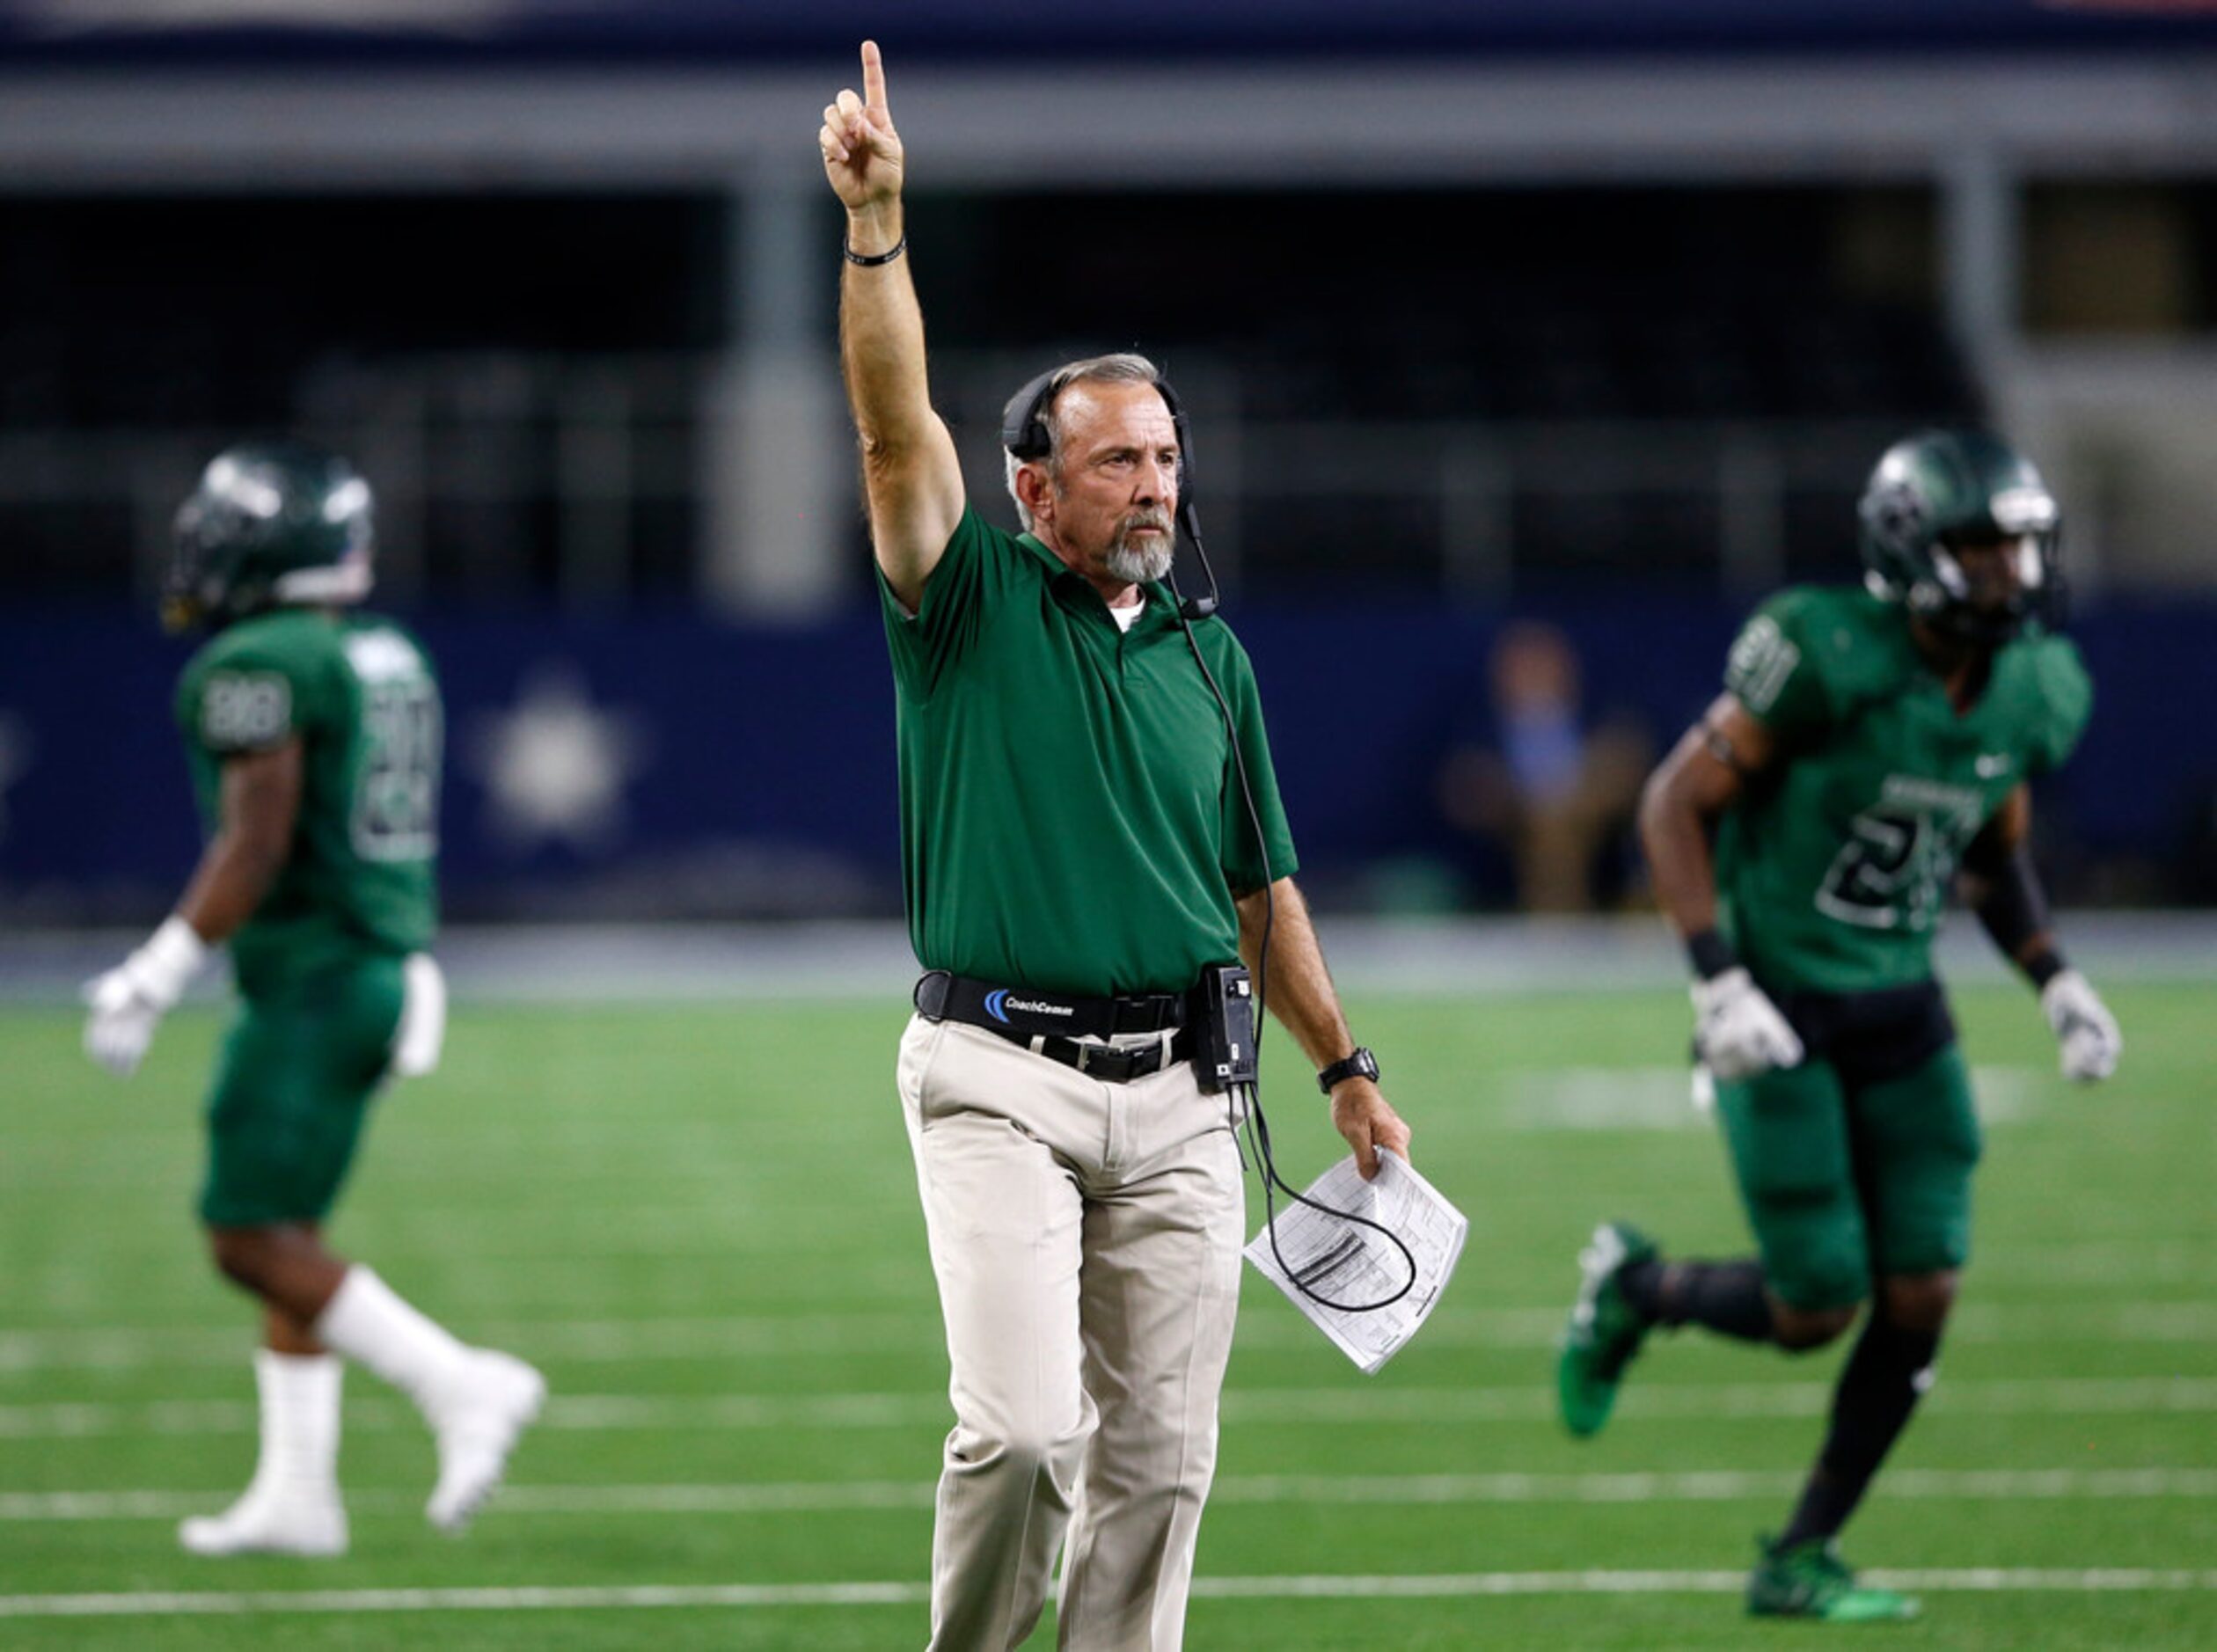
column 1137, row 566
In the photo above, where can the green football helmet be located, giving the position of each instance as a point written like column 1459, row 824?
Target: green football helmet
column 1937, row 491
column 271, row 524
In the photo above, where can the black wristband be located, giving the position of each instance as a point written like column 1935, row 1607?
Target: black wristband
column 1711, row 955
column 873, row 259
column 2043, row 966
column 2013, row 908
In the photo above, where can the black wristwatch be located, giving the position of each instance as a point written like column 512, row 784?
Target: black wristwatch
column 1361, row 1065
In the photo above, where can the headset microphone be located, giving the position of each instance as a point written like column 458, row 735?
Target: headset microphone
column 1193, row 609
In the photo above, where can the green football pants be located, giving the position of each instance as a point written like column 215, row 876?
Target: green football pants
column 291, row 1089
column 1845, row 1183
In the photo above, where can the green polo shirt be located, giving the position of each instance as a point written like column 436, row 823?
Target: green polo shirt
column 1071, row 819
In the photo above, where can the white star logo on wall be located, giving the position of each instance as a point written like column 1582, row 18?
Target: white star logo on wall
column 555, row 764
column 15, row 760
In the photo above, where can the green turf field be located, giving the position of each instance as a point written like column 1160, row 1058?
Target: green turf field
column 701, row 1223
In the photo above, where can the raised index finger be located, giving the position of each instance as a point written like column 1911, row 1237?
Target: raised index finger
column 874, row 82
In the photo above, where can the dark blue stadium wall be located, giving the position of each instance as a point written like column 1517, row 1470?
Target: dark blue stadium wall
column 601, row 32
column 753, row 769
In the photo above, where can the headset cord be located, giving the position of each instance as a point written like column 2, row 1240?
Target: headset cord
column 1259, row 1132
column 1258, row 1127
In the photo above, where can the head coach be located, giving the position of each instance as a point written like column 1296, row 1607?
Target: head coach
column 1081, row 838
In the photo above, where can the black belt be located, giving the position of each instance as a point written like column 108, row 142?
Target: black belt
column 1053, row 1023
column 1875, row 1036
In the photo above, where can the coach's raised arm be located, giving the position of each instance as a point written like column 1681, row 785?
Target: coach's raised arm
column 909, row 467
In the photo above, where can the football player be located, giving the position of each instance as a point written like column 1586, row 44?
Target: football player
column 313, row 733
column 1870, row 744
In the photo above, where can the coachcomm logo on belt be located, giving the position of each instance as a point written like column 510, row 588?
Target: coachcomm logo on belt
column 998, row 1004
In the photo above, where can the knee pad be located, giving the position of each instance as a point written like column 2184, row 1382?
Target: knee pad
column 1815, row 1265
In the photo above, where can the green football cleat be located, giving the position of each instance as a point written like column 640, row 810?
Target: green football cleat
column 1604, row 1333
column 1810, row 1580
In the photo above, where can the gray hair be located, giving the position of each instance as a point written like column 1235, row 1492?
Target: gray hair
column 1124, row 368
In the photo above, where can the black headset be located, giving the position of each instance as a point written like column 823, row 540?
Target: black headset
column 1024, row 434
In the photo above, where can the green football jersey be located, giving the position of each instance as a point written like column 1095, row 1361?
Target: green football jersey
column 1834, row 867
column 1072, row 816
column 358, row 693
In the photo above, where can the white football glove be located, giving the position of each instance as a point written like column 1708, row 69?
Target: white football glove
column 129, row 1002
column 1737, row 1031
column 2083, row 1027
column 421, row 1032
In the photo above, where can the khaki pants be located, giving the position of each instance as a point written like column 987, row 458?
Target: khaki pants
column 1085, row 1237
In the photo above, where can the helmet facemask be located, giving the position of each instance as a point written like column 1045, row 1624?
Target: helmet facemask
column 1938, row 498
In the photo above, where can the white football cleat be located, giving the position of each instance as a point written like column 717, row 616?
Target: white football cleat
column 477, row 1425
column 269, row 1522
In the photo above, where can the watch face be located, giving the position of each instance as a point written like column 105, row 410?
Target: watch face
column 1361, row 1065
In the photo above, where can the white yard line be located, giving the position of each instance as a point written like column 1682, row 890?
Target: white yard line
column 1721, row 1486
column 737, row 1336
column 1728, row 1401
column 327, row 1601
column 1658, row 1097
column 2063, row 1396
column 583, row 1342
column 819, row 1496
column 2134, row 1579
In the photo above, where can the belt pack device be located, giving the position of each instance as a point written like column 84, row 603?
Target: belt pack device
column 1222, row 1028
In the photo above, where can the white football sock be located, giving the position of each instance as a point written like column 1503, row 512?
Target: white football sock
column 291, row 1506
column 299, row 1394
column 369, row 1323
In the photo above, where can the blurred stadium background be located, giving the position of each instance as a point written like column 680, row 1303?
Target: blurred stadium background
column 1573, row 325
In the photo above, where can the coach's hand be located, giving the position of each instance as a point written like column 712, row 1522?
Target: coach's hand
column 1361, row 1112
column 2083, row 1027
column 861, row 150
column 1737, row 1031
column 129, row 1002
